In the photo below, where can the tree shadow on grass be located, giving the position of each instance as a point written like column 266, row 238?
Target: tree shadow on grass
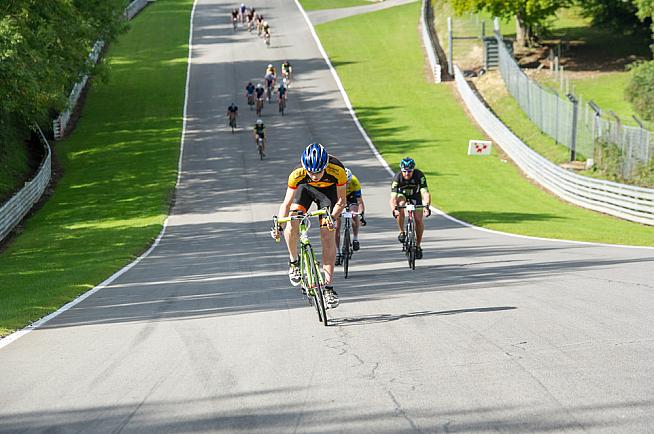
column 488, row 217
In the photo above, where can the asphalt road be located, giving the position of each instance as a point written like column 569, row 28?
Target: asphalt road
column 490, row 333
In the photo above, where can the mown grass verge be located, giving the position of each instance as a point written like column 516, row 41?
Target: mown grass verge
column 120, row 168
column 384, row 74
column 313, row 5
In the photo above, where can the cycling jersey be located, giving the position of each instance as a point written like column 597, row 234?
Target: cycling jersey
column 353, row 191
column 250, row 89
column 334, row 175
column 260, row 92
column 232, row 109
column 234, row 14
column 409, row 188
column 259, row 129
column 286, row 67
column 282, row 91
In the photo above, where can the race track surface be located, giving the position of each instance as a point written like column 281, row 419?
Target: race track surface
column 489, row 333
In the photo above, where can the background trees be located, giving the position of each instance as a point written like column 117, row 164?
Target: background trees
column 43, row 48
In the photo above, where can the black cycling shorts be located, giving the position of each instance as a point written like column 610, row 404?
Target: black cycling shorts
column 305, row 195
column 416, row 199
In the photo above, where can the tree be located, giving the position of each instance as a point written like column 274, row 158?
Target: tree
column 620, row 15
column 44, row 46
column 640, row 91
column 529, row 14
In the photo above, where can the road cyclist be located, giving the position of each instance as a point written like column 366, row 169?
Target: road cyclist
column 266, row 33
column 249, row 94
column 356, row 208
column 282, row 92
column 287, row 73
column 320, row 179
column 241, row 15
column 259, row 132
column 232, row 113
column 311, row 279
column 250, row 18
column 234, row 18
column 260, row 94
column 259, row 23
column 409, row 186
column 270, row 78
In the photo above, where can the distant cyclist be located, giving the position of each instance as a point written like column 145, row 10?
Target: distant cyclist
column 282, row 91
column 287, row 72
column 242, row 12
column 234, row 17
column 265, row 29
column 232, row 113
column 259, row 23
column 249, row 92
column 410, row 187
column 259, row 131
column 320, row 179
column 355, row 204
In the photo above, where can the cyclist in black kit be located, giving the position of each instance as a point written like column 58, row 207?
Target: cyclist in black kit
column 410, row 186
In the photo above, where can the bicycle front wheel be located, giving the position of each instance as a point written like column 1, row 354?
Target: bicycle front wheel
column 346, row 252
column 316, row 288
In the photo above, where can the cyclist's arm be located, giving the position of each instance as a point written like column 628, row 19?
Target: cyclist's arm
column 361, row 205
column 285, row 207
column 339, row 206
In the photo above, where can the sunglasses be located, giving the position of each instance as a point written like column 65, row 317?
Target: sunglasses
column 407, row 170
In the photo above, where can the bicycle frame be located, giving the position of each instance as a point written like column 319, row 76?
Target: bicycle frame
column 411, row 242
column 312, row 279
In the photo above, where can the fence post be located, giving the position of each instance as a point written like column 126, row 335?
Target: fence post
column 573, row 141
column 450, row 61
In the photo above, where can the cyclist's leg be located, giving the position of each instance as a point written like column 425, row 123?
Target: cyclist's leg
column 420, row 225
column 401, row 201
column 354, row 207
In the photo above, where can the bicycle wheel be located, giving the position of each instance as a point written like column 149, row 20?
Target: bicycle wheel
column 412, row 251
column 316, row 286
column 346, row 251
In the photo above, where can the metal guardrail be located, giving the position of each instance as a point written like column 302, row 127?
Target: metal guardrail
column 620, row 200
column 60, row 124
column 13, row 211
column 425, row 19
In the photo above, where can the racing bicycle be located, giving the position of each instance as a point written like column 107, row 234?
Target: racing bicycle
column 232, row 121
column 259, row 106
column 410, row 246
column 282, row 104
column 260, row 146
column 311, row 280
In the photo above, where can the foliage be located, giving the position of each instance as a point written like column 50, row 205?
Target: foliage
column 640, row 90
column 620, row 15
column 530, row 14
column 43, row 47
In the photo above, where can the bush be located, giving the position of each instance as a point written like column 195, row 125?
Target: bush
column 640, row 91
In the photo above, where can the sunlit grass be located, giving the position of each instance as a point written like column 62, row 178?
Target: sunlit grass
column 406, row 115
column 311, row 5
column 120, row 168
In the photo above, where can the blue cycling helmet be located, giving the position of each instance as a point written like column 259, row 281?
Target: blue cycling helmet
column 407, row 163
column 314, row 158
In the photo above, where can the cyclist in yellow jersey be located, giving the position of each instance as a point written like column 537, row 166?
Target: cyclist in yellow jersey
column 354, row 199
column 321, row 179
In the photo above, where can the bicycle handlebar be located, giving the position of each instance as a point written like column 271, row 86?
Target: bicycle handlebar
column 301, row 216
column 411, row 206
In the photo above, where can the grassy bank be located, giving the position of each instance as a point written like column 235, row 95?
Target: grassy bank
column 119, row 166
column 406, row 115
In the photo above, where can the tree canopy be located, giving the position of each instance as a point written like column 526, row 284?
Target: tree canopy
column 44, row 45
column 529, row 14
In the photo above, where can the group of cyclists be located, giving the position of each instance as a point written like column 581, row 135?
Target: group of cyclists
column 249, row 17
column 256, row 96
column 322, row 179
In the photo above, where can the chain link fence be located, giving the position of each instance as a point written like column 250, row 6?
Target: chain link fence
column 589, row 131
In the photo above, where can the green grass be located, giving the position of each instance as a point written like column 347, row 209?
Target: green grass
column 406, row 115
column 120, row 168
column 313, row 5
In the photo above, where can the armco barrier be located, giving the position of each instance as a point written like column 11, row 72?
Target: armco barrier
column 427, row 42
column 13, row 211
column 620, row 200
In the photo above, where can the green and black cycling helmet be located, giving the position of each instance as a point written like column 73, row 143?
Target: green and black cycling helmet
column 407, row 163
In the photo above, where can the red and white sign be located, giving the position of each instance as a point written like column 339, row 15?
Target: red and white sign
column 479, row 147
